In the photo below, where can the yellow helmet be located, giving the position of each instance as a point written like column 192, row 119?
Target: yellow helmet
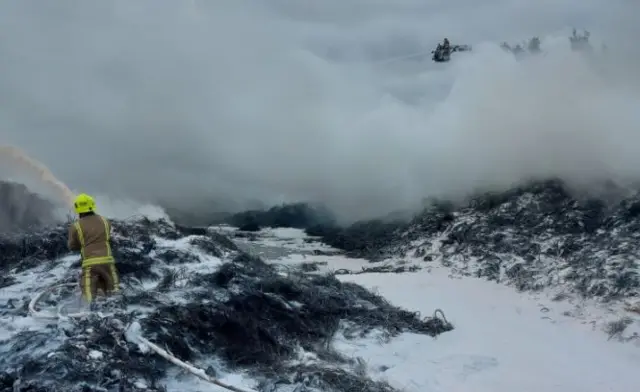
column 84, row 203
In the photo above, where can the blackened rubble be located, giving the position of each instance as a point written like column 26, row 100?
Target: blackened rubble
column 272, row 316
column 242, row 312
column 22, row 210
column 296, row 215
column 262, row 318
column 365, row 239
column 533, row 236
column 540, row 235
column 360, row 239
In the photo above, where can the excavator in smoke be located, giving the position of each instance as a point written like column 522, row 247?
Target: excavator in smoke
column 579, row 43
column 442, row 53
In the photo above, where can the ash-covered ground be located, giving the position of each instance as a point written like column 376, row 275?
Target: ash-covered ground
column 534, row 236
column 196, row 294
column 222, row 299
column 539, row 237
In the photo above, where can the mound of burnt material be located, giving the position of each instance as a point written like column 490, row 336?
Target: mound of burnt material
column 205, row 302
column 535, row 236
column 298, row 215
column 22, row 210
column 365, row 239
column 262, row 320
column 132, row 243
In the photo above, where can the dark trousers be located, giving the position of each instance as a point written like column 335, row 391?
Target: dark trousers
column 102, row 277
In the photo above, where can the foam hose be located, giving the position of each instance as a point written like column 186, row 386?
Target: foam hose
column 33, row 311
column 188, row 367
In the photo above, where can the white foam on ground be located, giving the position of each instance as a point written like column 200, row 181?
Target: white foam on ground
column 29, row 283
column 179, row 380
column 206, row 262
column 557, row 294
column 284, row 233
column 503, row 340
column 285, row 238
column 33, row 281
column 326, row 263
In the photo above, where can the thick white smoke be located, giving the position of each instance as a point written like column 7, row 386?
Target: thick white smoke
column 231, row 102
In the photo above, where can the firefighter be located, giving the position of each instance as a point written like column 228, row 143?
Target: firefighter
column 91, row 235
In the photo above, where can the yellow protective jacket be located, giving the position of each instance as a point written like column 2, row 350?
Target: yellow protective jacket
column 91, row 235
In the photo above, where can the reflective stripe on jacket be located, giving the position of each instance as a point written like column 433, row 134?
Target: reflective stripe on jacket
column 91, row 235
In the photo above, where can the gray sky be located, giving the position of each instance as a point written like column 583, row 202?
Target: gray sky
column 287, row 100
